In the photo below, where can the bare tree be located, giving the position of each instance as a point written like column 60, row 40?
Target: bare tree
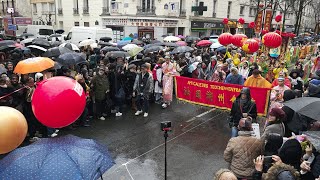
column 284, row 6
column 299, row 7
column 259, row 5
column 315, row 5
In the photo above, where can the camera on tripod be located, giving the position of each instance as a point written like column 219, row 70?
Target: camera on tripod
column 166, row 126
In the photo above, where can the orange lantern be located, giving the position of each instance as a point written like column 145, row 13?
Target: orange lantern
column 250, row 46
column 225, row 39
column 272, row 40
column 238, row 39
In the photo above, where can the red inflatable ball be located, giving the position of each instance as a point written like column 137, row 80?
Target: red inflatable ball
column 241, row 21
column 272, row 40
column 263, row 32
column 238, row 39
column 252, row 25
column 250, row 46
column 225, row 21
column 225, row 39
column 278, row 18
column 58, row 102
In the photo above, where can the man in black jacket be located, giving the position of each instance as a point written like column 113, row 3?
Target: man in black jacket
column 242, row 107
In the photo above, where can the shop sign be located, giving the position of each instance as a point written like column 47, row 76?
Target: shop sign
column 140, row 22
column 206, row 25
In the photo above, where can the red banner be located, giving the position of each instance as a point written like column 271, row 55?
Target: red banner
column 218, row 95
column 268, row 20
column 259, row 22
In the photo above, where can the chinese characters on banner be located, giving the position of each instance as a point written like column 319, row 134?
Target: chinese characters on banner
column 268, row 20
column 259, row 22
column 218, row 95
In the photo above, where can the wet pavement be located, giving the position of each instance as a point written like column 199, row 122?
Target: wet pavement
column 195, row 147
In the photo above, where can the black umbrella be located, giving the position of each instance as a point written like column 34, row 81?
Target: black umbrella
column 3, row 70
column 314, row 138
column 26, row 35
column 153, row 49
column 171, row 44
column 7, row 48
column 191, row 39
column 151, row 45
column 55, row 35
column 109, row 49
column 155, row 41
column 106, row 39
column 221, row 49
column 307, row 106
column 59, row 31
column 41, row 42
column 116, row 54
column 71, row 58
column 56, row 44
column 57, row 65
column 137, row 42
column 56, row 51
column 137, row 62
column 7, row 43
column 182, row 49
column 104, row 44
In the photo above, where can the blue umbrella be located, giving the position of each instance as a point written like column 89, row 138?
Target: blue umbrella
column 127, row 39
column 67, row 157
column 222, row 49
column 120, row 44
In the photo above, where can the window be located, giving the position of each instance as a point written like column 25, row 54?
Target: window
column 85, row 3
column 86, row 24
column 34, row 7
column 51, row 7
column 76, row 4
column 252, row 12
column 59, row 3
column 241, row 10
column 46, row 32
column 76, row 24
column 145, row 4
column 44, row 7
column 214, row 8
column 229, row 9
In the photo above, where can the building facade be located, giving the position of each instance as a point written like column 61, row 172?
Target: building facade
column 43, row 12
column 154, row 18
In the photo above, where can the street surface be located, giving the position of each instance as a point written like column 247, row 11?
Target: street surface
column 195, row 148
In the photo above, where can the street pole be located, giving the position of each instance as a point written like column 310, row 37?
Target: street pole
column 165, row 153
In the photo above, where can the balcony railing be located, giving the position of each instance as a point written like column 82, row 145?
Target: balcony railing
column 105, row 11
column 85, row 10
column 183, row 13
column 75, row 11
column 60, row 11
column 146, row 12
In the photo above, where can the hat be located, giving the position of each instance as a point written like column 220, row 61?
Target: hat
column 291, row 153
column 280, row 78
column 37, row 76
column 278, row 113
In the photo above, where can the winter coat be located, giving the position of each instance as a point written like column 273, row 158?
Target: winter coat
column 249, row 107
column 277, row 128
column 234, row 79
column 143, row 84
column 257, row 82
column 130, row 79
column 158, row 81
column 240, row 153
column 100, row 85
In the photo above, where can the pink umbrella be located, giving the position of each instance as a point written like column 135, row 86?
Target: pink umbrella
column 181, row 43
column 204, row 43
column 180, row 36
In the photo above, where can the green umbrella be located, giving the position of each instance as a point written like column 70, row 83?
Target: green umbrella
column 135, row 51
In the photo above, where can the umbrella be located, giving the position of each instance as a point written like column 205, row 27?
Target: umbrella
column 153, row 49
column 120, row 44
column 182, row 49
column 215, row 45
column 57, row 65
column 70, row 46
column 171, row 39
column 37, row 48
column 221, row 49
column 7, row 48
column 306, row 106
column 137, row 62
column 127, row 39
column 116, row 54
column 26, row 35
column 27, row 41
column 33, row 65
column 191, row 39
column 181, row 43
column 109, row 49
column 105, row 39
column 164, row 35
column 55, row 44
column 94, row 45
column 59, row 31
column 181, row 36
column 155, row 41
column 135, row 51
column 137, row 42
column 71, row 58
column 56, row 51
column 193, row 67
column 128, row 47
column 203, row 43
column 7, row 43
column 171, row 44
column 3, row 70
column 314, row 138
column 67, row 157
column 86, row 42
column 103, row 44
column 41, row 42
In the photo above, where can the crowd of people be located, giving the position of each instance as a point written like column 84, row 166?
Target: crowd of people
column 112, row 82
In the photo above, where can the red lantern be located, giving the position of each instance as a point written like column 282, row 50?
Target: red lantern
column 241, row 21
column 225, row 39
column 264, row 32
column 278, row 18
column 58, row 102
column 272, row 40
column 278, row 32
column 252, row 25
column 238, row 39
column 225, row 21
column 250, row 46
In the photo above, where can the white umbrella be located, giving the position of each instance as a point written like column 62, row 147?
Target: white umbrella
column 94, row 45
column 70, row 46
column 171, row 39
column 86, row 42
column 128, row 47
column 37, row 47
column 215, row 45
column 26, row 41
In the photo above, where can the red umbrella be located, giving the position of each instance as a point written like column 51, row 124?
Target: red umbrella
column 204, row 43
column 181, row 43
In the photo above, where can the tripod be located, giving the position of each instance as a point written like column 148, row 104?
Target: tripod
column 165, row 151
